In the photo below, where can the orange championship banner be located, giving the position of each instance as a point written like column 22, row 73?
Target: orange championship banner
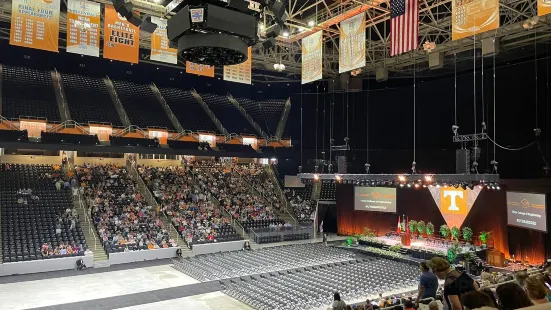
column 159, row 43
column 471, row 17
column 83, row 23
column 121, row 39
column 240, row 73
column 199, row 69
column 454, row 203
column 544, row 7
column 35, row 24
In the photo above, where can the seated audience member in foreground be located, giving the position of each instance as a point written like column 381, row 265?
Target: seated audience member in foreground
column 428, row 283
column 455, row 283
column 492, row 296
column 535, row 291
column 476, row 299
column 511, row 296
column 338, row 304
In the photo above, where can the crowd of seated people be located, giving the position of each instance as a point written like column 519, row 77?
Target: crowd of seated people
column 124, row 220
column 62, row 250
column 188, row 205
column 302, row 208
column 257, row 176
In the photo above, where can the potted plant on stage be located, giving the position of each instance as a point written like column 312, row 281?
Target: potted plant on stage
column 483, row 236
column 430, row 229
column 413, row 227
column 421, row 228
column 467, row 234
column 445, row 231
column 455, row 233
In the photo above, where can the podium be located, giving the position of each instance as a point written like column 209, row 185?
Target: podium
column 495, row 258
column 406, row 240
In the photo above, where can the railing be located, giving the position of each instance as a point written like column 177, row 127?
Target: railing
column 284, row 116
column 69, row 124
column 8, row 123
column 233, row 136
column 117, row 102
column 213, row 117
column 167, row 108
column 64, row 107
column 247, row 116
column 282, row 196
column 88, row 220
column 131, row 128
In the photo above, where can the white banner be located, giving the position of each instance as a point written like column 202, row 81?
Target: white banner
column 159, row 43
column 352, row 43
column 83, row 24
column 240, row 73
column 312, row 63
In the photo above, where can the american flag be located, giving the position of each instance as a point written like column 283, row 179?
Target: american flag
column 404, row 26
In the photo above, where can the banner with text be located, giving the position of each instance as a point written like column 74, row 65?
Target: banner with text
column 35, row 24
column 199, row 69
column 240, row 73
column 471, row 17
column 103, row 132
column 544, row 7
column 352, row 43
column 159, row 43
column 454, row 203
column 312, row 64
column 83, row 22
column 121, row 39
column 34, row 128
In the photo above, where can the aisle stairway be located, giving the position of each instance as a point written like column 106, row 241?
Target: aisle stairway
column 316, row 191
column 90, row 234
column 286, row 210
column 174, row 235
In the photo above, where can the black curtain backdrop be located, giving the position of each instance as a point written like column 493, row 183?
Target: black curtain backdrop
column 489, row 213
column 328, row 214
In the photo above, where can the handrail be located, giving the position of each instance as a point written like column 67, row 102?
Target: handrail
column 247, row 116
column 166, row 107
column 209, row 112
column 8, row 123
column 67, row 123
column 88, row 220
column 116, row 100
column 64, row 103
column 281, row 194
column 129, row 129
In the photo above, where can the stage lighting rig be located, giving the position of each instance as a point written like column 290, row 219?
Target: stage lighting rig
column 215, row 32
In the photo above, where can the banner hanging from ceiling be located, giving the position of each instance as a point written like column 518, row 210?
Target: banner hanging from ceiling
column 454, row 203
column 83, row 22
column 35, row 24
column 240, row 73
column 544, row 7
column 121, row 39
column 312, row 63
column 473, row 17
column 159, row 43
column 199, row 69
column 352, row 43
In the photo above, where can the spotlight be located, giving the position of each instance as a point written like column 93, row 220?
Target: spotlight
column 316, row 177
column 285, row 34
column 311, row 23
column 416, row 185
column 402, row 178
column 455, row 185
column 261, row 27
column 409, row 184
column 497, row 187
column 401, row 184
column 480, row 186
column 428, row 178
column 338, row 178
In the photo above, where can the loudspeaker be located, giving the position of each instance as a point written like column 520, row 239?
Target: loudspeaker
column 178, row 24
column 342, row 165
column 278, row 8
column 268, row 44
column 490, row 47
column 147, row 25
column 381, row 74
column 436, row 60
column 125, row 10
column 462, row 161
column 240, row 5
column 273, row 31
column 134, row 19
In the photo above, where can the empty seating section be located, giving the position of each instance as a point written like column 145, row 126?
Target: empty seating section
column 187, row 110
column 141, row 105
column 14, row 136
column 235, row 148
column 123, row 219
column 254, row 109
column 189, row 145
column 328, row 191
column 313, row 288
column 68, row 138
column 228, row 114
column 35, row 223
column 241, row 263
column 28, row 92
column 133, row 142
column 273, row 109
column 89, row 100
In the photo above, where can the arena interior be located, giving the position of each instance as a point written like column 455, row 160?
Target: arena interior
column 300, row 154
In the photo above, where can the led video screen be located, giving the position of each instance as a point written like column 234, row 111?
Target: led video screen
column 526, row 210
column 380, row 199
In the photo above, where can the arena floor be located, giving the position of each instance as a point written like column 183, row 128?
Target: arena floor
column 144, row 285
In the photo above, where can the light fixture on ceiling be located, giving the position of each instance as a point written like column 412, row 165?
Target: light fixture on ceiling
column 285, row 34
column 279, row 67
column 311, row 23
column 261, row 27
column 429, row 46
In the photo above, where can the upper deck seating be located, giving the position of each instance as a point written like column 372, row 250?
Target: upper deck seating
column 228, row 115
column 28, row 92
column 89, row 100
column 187, row 110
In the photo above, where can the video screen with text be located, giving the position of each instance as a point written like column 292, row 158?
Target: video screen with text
column 526, row 210
column 381, row 199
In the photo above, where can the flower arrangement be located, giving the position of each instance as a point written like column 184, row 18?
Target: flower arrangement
column 384, row 253
column 455, row 233
column 395, row 248
column 421, row 227
column 467, row 234
column 412, row 226
column 430, row 229
column 445, row 231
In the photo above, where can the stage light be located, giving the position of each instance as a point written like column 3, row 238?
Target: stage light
column 416, row 185
column 338, row 178
column 425, row 185
column 311, row 23
column 261, row 27
column 428, row 178
column 402, row 178
column 455, row 185
column 285, row 34
column 316, row 177
column 480, row 186
column 497, row 187
column 409, row 184
column 401, row 184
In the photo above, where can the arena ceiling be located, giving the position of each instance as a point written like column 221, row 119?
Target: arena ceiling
column 308, row 16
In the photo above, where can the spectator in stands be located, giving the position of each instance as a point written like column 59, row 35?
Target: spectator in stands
column 511, row 296
column 338, row 304
column 492, row 296
column 428, row 283
column 541, row 278
column 433, row 305
column 535, row 291
column 455, row 283
column 476, row 299
column 408, row 305
column 520, row 277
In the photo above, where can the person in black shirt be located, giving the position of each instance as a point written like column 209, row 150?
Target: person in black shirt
column 456, row 283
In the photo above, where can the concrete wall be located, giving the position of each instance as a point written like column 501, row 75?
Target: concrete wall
column 159, row 162
column 99, row 161
column 31, row 159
